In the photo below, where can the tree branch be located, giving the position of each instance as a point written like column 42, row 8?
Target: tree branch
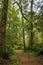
column 21, row 10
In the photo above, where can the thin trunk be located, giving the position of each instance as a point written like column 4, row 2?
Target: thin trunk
column 3, row 26
column 23, row 28
column 23, row 33
column 31, row 41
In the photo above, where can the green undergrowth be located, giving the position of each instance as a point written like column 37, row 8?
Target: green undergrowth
column 30, row 53
column 34, row 54
column 14, row 59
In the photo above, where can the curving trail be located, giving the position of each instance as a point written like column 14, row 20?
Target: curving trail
column 24, row 59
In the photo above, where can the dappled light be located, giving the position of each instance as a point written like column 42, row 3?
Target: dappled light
column 21, row 32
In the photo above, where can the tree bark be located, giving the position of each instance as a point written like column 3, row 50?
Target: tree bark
column 3, row 26
column 23, row 32
column 32, row 34
column 31, row 24
column 23, row 27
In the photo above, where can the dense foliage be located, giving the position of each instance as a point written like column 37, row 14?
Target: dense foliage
column 22, row 25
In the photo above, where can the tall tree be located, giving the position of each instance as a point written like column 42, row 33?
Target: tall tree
column 23, row 32
column 22, row 10
column 31, row 23
column 23, row 24
column 3, row 26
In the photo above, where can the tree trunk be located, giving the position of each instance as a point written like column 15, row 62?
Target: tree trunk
column 3, row 26
column 23, row 33
column 23, row 27
column 32, row 38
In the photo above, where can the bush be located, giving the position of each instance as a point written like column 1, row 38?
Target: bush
column 38, row 48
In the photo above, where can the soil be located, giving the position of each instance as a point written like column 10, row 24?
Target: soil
column 24, row 59
column 5, row 61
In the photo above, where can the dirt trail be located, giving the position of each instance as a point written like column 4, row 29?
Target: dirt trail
column 25, row 60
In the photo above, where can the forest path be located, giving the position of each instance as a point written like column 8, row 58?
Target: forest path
column 24, row 59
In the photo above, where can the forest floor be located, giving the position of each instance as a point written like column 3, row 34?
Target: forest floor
column 24, row 59
column 5, row 62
